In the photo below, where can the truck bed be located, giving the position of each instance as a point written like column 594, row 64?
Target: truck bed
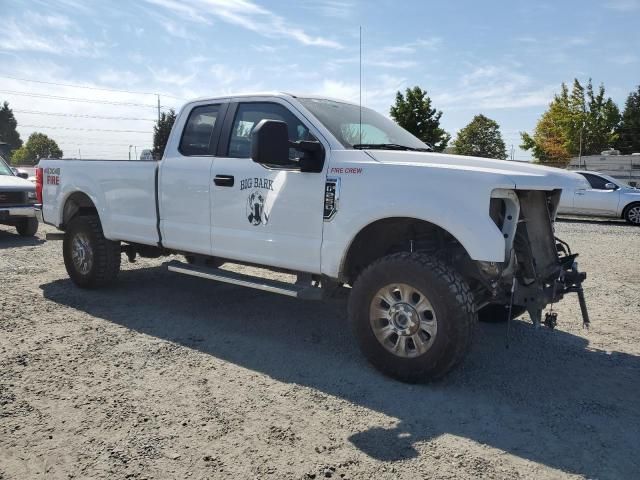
column 124, row 191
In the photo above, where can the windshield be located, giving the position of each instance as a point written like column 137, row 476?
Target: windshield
column 4, row 168
column 343, row 120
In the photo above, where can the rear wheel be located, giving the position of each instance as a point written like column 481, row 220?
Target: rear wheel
column 495, row 313
column 632, row 214
column 412, row 315
column 27, row 227
column 91, row 260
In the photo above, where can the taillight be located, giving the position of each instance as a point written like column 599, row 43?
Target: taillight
column 39, row 181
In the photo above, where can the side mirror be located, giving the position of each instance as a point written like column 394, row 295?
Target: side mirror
column 24, row 175
column 270, row 146
column 270, row 143
column 610, row 186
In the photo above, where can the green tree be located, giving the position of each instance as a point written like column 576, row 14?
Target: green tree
column 38, row 146
column 413, row 112
column 161, row 132
column 8, row 124
column 582, row 117
column 602, row 122
column 480, row 138
column 629, row 129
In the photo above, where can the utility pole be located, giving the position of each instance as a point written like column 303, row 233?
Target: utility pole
column 130, row 151
column 135, row 151
column 580, row 148
column 158, row 106
column 512, row 152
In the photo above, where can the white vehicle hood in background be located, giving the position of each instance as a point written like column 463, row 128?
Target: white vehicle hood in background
column 523, row 175
column 9, row 182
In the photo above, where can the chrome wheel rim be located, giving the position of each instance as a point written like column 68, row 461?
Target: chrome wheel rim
column 403, row 320
column 634, row 214
column 81, row 253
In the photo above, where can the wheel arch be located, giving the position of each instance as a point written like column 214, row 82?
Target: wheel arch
column 77, row 203
column 390, row 235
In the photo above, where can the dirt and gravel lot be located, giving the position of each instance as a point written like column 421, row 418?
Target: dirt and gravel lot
column 164, row 376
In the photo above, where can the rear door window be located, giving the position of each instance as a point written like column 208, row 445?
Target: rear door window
column 198, row 132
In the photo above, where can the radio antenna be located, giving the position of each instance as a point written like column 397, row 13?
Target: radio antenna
column 360, row 84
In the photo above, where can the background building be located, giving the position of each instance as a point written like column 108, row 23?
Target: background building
column 623, row 167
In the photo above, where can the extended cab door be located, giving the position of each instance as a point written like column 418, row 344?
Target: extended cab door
column 596, row 200
column 185, row 179
column 271, row 216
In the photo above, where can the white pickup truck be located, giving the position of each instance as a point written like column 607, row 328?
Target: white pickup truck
column 340, row 196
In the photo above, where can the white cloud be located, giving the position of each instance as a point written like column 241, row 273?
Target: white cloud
column 623, row 5
column 624, row 59
column 412, row 47
column 53, row 21
column 245, row 14
column 111, row 76
column 331, row 8
column 377, row 92
column 21, row 36
column 267, row 48
column 527, row 39
column 171, row 77
column 395, row 57
column 176, row 30
column 226, row 76
column 493, row 86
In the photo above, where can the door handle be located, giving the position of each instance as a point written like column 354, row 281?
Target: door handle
column 579, row 193
column 224, row 180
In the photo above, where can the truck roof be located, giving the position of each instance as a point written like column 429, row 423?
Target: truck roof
column 269, row 94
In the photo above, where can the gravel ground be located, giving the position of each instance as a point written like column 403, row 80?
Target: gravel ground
column 166, row 376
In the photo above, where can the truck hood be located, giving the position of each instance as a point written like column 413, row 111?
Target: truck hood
column 9, row 182
column 523, row 175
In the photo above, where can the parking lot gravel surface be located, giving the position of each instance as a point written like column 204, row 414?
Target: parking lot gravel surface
column 166, row 376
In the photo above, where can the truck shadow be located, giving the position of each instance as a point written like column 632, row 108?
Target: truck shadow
column 549, row 398
column 10, row 239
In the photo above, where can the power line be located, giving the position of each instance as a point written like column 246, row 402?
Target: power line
column 99, row 144
column 79, row 115
column 76, row 99
column 82, row 138
column 88, row 129
column 90, row 88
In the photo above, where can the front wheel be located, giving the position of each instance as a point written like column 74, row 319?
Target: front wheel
column 412, row 315
column 27, row 227
column 91, row 260
column 632, row 214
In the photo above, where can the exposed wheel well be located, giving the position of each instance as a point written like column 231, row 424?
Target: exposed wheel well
column 78, row 203
column 626, row 208
column 392, row 235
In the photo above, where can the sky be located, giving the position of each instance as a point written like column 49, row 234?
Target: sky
column 87, row 73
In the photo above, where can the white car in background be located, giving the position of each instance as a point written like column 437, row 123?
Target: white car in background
column 17, row 201
column 597, row 194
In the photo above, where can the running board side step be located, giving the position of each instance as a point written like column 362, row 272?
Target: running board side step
column 259, row 283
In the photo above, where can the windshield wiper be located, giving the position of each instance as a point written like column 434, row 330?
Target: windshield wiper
column 388, row 146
